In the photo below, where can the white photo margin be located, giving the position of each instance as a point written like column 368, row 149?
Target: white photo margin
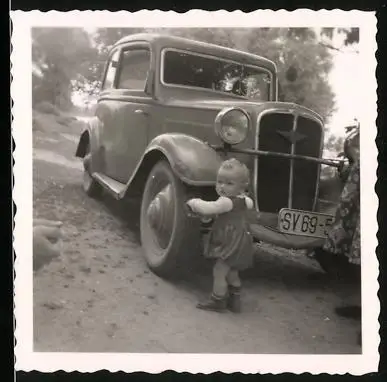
column 27, row 359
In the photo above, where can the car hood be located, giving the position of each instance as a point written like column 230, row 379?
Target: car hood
column 252, row 107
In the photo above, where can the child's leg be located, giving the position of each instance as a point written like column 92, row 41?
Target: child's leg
column 217, row 300
column 234, row 290
column 233, row 278
column 220, row 273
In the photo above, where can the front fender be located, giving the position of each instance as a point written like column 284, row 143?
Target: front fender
column 82, row 143
column 90, row 137
column 192, row 160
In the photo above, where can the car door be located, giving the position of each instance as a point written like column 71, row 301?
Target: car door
column 126, row 112
column 105, row 113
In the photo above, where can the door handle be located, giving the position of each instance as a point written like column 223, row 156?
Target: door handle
column 140, row 111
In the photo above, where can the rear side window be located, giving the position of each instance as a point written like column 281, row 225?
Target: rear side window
column 111, row 71
column 134, row 69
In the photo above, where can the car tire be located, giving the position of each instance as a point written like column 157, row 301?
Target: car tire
column 337, row 266
column 90, row 185
column 176, row 256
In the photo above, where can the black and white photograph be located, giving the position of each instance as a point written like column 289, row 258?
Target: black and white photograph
column 196, row 190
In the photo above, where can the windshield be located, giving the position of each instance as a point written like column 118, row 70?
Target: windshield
column 213, row 73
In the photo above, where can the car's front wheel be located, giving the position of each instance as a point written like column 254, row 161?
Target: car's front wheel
column 170, row 237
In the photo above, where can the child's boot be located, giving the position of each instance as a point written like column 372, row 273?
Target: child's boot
column 234, row 299
column 214, row 303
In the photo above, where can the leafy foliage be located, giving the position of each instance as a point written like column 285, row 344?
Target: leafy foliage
column 59, row 56
column 350, row 36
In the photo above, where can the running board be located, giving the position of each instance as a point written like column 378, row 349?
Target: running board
column 115, row 188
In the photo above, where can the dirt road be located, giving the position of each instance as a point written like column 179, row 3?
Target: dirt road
column 99, row 296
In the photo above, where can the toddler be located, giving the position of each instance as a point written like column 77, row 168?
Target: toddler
column 230, row 242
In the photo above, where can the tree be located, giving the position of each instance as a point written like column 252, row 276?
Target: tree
column 339, row 40
column 350, row 37
column 59, row 55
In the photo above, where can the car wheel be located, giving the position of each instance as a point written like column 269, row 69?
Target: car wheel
column 170, row 237
column 90, row 185
column 337, row 266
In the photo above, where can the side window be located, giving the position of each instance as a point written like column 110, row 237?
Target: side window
column 111, row 71
column 133, row 73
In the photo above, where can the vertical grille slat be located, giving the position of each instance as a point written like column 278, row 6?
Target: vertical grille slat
column 306, row 173
column 273, row 174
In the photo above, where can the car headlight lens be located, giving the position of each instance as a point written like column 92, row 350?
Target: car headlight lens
column 232, row 125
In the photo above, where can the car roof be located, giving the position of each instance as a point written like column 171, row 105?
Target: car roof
column 164, row 40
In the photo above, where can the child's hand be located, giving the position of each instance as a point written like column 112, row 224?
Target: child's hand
column 192, row 204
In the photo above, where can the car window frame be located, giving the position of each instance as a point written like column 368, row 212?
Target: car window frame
column 132, row 47
column 109, row 62
column 272, row 86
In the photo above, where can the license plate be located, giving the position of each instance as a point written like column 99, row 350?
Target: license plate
column 304, row 223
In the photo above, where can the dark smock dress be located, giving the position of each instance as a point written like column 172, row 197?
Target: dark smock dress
column 344, row 235
column 230, row 239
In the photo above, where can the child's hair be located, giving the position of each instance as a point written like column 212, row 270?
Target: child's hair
column 235, row 164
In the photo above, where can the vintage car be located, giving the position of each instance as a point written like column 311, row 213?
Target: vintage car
column 169, row 112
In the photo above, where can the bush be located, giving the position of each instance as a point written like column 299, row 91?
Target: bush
column 47, row 108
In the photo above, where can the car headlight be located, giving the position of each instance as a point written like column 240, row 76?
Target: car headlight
column 232, row 125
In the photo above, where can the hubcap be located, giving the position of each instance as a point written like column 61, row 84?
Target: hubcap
column 160, row 215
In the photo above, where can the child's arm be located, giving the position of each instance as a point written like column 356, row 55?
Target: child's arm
column 202, row 207
column 249, row 202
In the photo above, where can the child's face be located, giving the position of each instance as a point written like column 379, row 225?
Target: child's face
column 229, row 183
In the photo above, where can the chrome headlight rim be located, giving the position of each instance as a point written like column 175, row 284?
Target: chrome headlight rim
column 219, row 127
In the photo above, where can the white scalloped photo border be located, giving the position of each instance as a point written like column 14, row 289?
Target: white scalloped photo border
column 27, row 359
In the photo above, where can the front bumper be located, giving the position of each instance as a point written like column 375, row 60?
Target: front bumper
column 263, row 227
column 268, row 235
